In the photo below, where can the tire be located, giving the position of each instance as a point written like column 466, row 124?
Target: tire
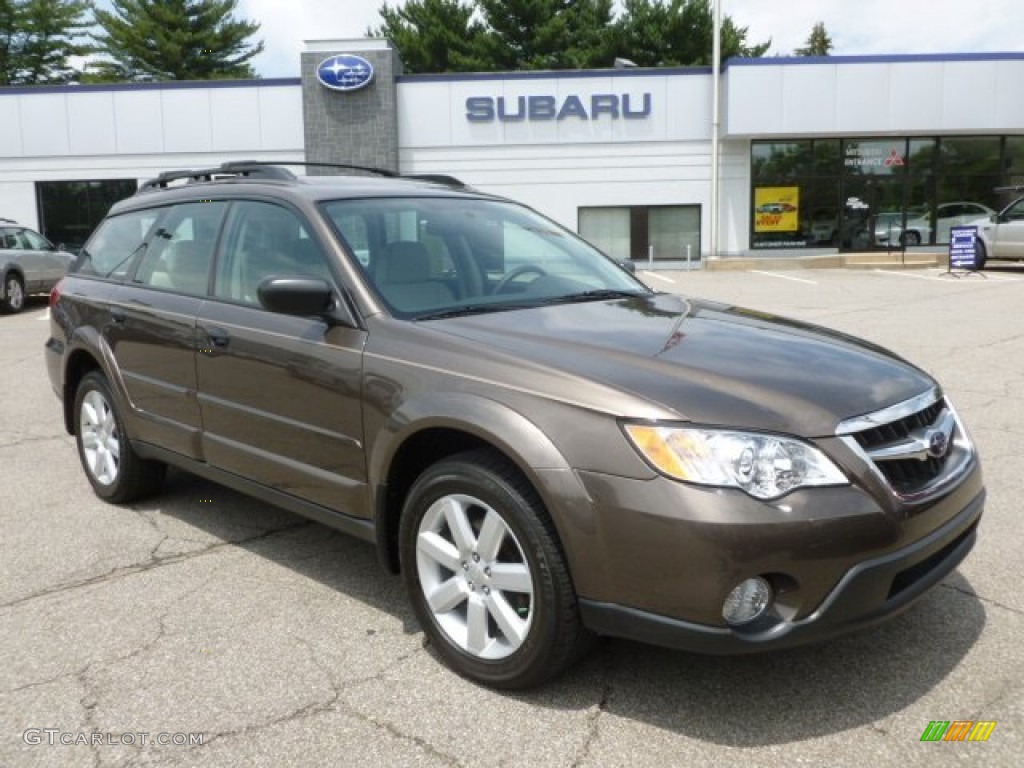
column 980, row 254
column 911, row 237
column 14, row 294
column 115, row 471
column 486, row 575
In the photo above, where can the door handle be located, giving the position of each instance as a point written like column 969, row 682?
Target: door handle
column 218, row 337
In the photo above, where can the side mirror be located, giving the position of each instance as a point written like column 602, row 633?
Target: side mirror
column 301, row 296
column 628, row 265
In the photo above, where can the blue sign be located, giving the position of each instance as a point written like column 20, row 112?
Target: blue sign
column 344, row 72
column 487, row 109
column 963, row 251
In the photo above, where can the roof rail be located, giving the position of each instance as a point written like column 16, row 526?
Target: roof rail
column 1014, row 188
column 272, row 169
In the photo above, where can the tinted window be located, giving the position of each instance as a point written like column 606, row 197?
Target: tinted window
column 111, row 250
column 180, row 252
column 264, row 240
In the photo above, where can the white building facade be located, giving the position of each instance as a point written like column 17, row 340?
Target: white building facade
column 814, row 152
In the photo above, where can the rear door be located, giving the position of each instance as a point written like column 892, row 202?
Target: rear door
column 153, row 320
column 279, row 395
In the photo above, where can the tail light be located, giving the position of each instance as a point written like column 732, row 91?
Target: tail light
column 55, row 293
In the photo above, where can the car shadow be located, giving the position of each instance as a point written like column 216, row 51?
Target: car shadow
column 743, row 701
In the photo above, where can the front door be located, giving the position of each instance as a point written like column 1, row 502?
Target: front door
column 280, row 395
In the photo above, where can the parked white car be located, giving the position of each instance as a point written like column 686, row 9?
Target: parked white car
column 1001, row 235
column 948, row 215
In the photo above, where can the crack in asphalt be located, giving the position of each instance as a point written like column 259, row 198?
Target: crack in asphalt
column 155, row 562
column 984, row 599
column 594, row 717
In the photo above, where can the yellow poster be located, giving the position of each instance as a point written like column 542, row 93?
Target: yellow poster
column 776, row 209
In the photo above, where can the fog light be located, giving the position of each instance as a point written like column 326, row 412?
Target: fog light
column 748, row 601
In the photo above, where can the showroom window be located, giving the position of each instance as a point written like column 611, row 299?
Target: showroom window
column 666, row 233
column 876, row 193
column 70, row 210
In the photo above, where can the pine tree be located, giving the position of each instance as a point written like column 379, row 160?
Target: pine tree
column 173, row 40
column 818, row 42
column 655, row 33
column 38, row 39
column 433, row 35
column 546, row 34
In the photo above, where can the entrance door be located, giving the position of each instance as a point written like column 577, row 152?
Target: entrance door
column 873, row 213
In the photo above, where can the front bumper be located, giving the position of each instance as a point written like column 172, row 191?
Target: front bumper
column 869, row 592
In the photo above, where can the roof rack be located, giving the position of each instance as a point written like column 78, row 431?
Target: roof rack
column 272, row 169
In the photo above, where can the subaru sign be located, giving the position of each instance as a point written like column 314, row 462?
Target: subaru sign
column 344, row 72
column 488, row 109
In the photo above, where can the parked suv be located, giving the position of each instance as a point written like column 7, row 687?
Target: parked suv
column 545, row 448
column 28, row 264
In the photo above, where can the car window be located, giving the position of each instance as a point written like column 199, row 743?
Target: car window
column 430, row 256
column 180, row 252
column 8, row 240
column 264, row 240
column 1015, row 212
column 112, row 249
column 35, row 242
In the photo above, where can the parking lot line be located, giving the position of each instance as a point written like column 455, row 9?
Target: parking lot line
column 656, row 276
column 785, row 277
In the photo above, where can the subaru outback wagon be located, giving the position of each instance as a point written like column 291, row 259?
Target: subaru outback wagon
column 545, row 449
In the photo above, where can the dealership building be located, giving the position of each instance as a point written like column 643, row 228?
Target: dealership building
column 812, row 154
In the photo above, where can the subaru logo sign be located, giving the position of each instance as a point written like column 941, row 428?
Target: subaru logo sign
column 344, row 72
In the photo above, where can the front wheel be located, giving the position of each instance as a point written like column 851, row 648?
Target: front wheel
column 911, row 238
column 114, row 469
column 980, row 253
column 485, row 573
column 14, row 294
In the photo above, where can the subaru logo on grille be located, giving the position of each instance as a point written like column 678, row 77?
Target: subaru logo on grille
column 344, row 72
column 938, row 444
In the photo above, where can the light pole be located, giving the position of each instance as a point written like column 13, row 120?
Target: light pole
column 716, row 76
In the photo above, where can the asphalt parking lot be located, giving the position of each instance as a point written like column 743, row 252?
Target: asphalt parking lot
column 203, row 615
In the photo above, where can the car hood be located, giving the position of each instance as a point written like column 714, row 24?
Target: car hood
column 700, row 361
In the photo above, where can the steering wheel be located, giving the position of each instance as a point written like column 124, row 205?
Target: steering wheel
column 518, row 271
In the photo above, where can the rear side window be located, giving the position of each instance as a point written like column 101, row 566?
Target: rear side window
column 112, row 249
column 179, row 254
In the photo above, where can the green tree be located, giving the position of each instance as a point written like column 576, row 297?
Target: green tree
column 38, row 39
column 433, row 35
column 173, row 40
column 547, row 34
column 656, row 33
column 818, row 42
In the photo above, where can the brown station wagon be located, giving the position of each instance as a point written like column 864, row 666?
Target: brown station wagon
column 545, row 448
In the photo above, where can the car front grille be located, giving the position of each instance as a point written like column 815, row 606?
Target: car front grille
column 914, row 446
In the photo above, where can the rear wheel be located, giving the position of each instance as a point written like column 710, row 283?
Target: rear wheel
column 114, row 469
column 912, row 237
column 485, row 573
column 14, row 294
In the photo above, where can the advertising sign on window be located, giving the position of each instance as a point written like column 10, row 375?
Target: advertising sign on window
column 776, row 209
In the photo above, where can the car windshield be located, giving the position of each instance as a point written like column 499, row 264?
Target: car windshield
column 438, row 257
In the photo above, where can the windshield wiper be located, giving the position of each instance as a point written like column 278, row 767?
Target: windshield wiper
column 594, row 295
column 469, row 309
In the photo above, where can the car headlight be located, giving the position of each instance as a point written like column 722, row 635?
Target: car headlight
column 765, row 466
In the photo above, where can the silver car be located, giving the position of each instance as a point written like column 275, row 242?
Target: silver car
column 29, row 264
column 1001, row 236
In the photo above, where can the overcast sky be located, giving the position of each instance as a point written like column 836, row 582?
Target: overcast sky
column 857, row 27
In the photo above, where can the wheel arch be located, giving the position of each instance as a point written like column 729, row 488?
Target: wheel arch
column 424, row 432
